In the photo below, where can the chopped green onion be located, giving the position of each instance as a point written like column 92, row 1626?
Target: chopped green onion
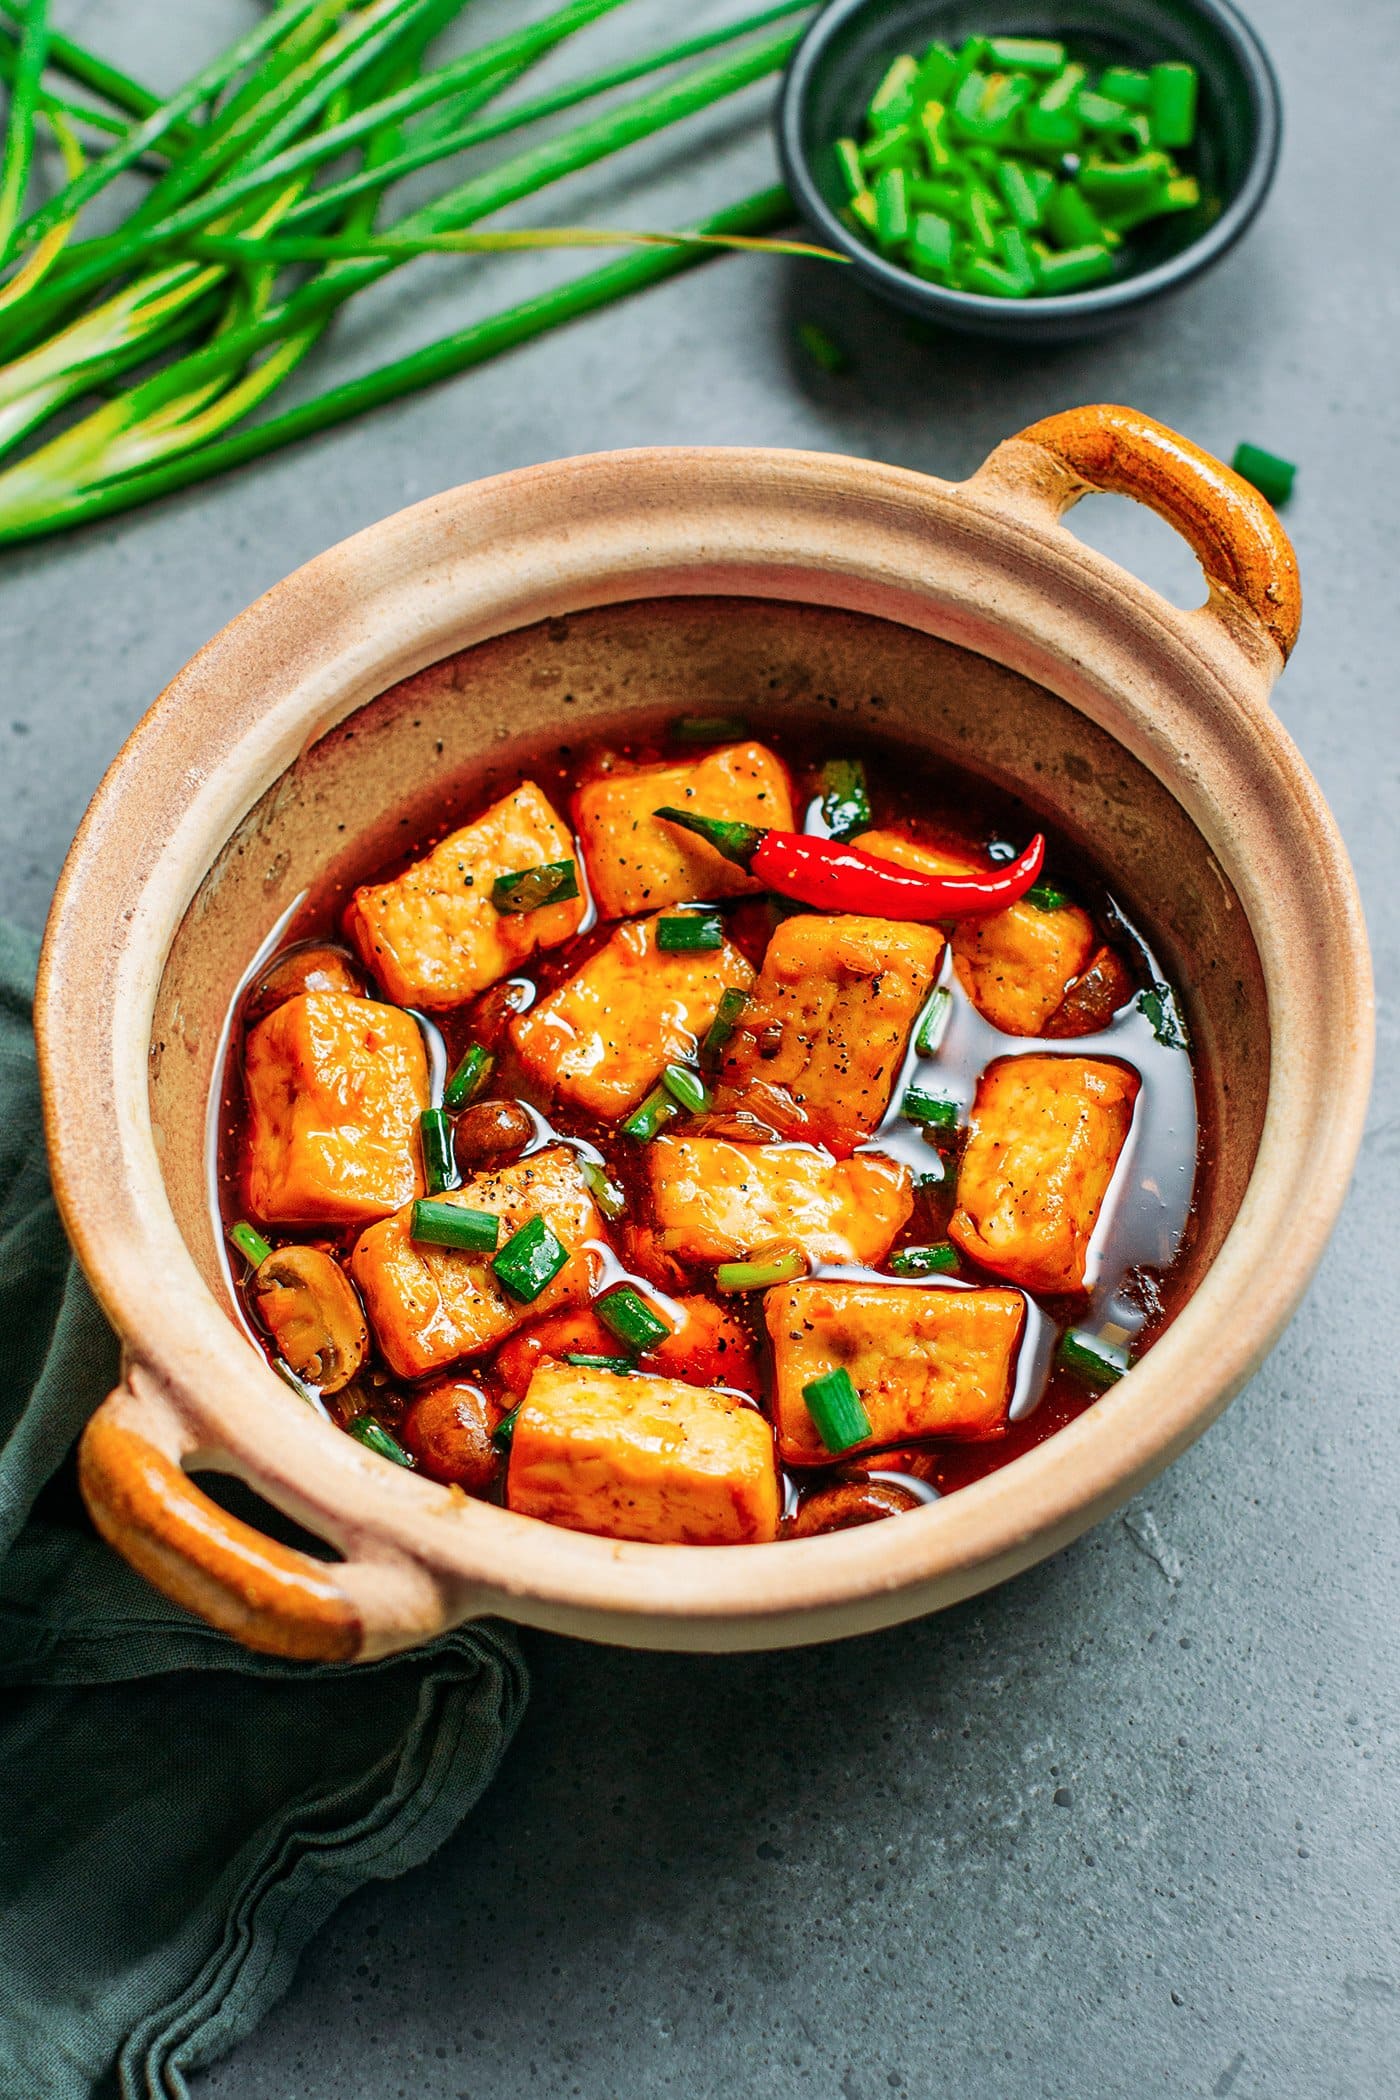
column 1071, row 220
column 249, row 1242
column 375, row 1437
column 606, row 1194
column 622, row 1366
column 845, row 797
column 529, row 1261
column 1168, row 1023
column 1073, row 268
column 1026, row 54
column 835, row 1408
column 1086, row 1356
column 823, row 349
column 1126, row 84
column 529, row 889
column 708, row 729
column 891, row 207
column 848, row 161
column 931, row 245
column 687, row 1087
column 625, row 1313
column 894, row 97
column 1045, row 897
column 1171, row 104
column 939, row 1260
column 454, row 1225
column 504, row 1431
column 1265, row 471
column 469, row 1078
column 933, row 1027
column 651, row 1115
column 761, row 1275
column 934, row 1110
column 439, row 1161
column 689, row 932
column 726, row 1020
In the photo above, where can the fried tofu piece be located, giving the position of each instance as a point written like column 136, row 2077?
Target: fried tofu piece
column 714, row 1200
column 818, row 1050
column 925, row 1361
column 1015, row 964
column 636, row 861
column 433, row 938
column 433, row 1306
column 643, row 1458
column 601, row 1040
column 1044, row 1139
column 335, row 1087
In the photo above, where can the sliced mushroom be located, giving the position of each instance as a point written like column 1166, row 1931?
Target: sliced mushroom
column 1094, row 997
column 448, row 1430
column 491, row 1131
column 308, row 1305
column 847, row 1503
column 313, row 967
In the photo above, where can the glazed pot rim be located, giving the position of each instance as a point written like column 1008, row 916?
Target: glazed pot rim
column 672, row 522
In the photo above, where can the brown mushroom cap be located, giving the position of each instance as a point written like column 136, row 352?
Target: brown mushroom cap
column 308, row 1305
column 313, row 967
column 491, row 1130
column 846, row 1503
column 448, row 1429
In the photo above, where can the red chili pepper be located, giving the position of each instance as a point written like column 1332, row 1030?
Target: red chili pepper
column 833, row 877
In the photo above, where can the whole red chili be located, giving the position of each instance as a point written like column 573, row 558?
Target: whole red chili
column 833, row 877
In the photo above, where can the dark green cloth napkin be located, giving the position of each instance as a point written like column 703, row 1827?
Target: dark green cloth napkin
column 179, row 1815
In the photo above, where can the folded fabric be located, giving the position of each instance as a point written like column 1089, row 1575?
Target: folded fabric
column 180, row 1815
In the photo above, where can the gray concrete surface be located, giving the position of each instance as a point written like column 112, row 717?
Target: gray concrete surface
column 1129, row 1825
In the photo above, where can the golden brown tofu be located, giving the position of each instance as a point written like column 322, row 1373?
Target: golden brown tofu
column 433, row 938
column 335, row 1088
column 433, row 1306
column 925, row 1361
column 714, row 1200
column 1015, row 964
column 1043, row 1142
column 637, row 862
column 818, row 1049
column 601, row 1040
column 643, row 1458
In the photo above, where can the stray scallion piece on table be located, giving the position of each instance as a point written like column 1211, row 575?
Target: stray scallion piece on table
column 1008, row 168
column 1265, row 471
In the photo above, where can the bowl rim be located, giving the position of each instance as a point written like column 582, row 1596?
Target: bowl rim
column 1185, row 691
column 1097, row 302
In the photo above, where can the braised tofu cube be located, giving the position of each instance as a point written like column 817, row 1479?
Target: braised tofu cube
column 432, row 1306
column 1015, row 964
column 643, row 1458
column 1043, row 1142
column 818, row 1050
column 602, row 1039
column 636, row 861
column 434, row 938
column 714, row 1200
column 335, row 1087
column 926, row 1362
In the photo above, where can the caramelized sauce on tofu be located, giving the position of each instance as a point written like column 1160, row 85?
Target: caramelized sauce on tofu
column 660, row 1207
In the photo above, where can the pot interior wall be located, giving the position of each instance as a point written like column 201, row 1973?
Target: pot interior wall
column 387, row 776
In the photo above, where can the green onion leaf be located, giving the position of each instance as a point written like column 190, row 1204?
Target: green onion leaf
column 439, row 1161
column 375, row 1437
column 1168, row 1024
column 762, row 1274
column 689, row 932
column 939, row 1260
column 651, row 1115
column 1045, row 897
column 249, row 1242
column 1089, row 1358
column 717, row 1035
column 934, row 1111
column 529, row 1261
column 625, row 1313
column 454, row 1225
column 845, row 797
column 687, row 1087
column 606, row 1194
column 529, row 889
column 504, row 1432
column 934, row 1024
column 835, row 1408
column 621, row 1366
column 469, row 1078
column 708, row 729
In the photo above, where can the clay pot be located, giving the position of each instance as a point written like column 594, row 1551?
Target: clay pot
column 340, row 714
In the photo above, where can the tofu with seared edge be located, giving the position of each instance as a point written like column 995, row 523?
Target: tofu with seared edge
column 637, row 861
column 715, row 1200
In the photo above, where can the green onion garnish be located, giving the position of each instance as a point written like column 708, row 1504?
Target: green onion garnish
column 845, row 797
column 504, row 1430
column 760, row 1275
column 687, row 1087
column 606, row 1194
column 454, row 1225
column 528, row 889
column 469, row 1078
column 708, row 729
column 1086, row 1356
column 726, row 1020
column 689, row 931
column 623, row 1366
column 651, row 1115
column 1045, row 897
column 1026, row 54
column 375, row 1437
column 529, row 1261
column 625, row 1313
column 1265, row 471
column 935, row 1111
column 835, row 1407
column 249, row 1242
column 934, row 1024
column 940, row 1260
column 1168, row 1024
column 439, row 1161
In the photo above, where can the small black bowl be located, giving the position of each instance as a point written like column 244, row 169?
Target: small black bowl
column 838, row 64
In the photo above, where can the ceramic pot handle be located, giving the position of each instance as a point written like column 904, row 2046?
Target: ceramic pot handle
column 1244, row 551
column 266, row 1595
